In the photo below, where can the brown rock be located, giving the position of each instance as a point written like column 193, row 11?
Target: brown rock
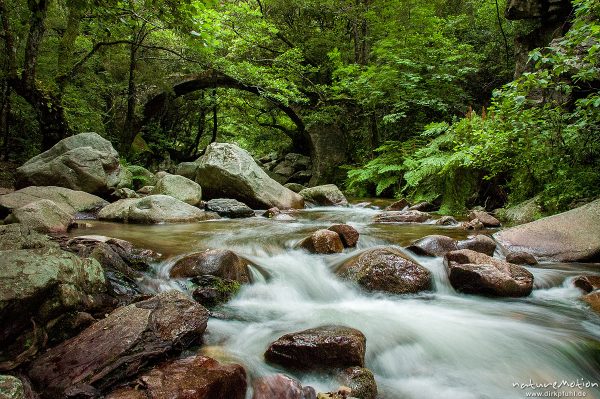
column 195, row 377
column 398, row 205
column 323, row 242
column 485, row 218
column 476, row 273
column 423, row 207
column 271, row 212
column 280, row 386
column 215, row 262
column 115, row 348
column 386, row 269
column 402, row 217
column 446, row 221
column 348, row 234
column 593, row 300
column 587, row 283
column 479, row 243
column 433, row 245
column 324, row 347
column 474, row 224
column 567, row 237
column 361, row 382
column 521, row 258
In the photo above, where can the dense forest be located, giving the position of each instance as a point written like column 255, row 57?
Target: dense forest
column 462, row 103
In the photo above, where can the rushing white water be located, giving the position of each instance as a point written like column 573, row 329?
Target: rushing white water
column 439, row 344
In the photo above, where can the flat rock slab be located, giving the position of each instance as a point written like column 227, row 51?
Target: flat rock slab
column 402, row 217
column 476, row 273
column 325, row 347
column 70, row 201
column 229, row 208
column 153, row 209
column 118, row 346
column 567, row 237
column 196, row 377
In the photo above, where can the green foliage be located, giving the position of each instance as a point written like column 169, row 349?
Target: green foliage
column 539, row 136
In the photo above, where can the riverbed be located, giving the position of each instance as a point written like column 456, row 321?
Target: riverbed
column 438, row 344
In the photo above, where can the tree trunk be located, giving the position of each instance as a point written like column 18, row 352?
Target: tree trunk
column 5, row 118
column 214, row 117
column 131, row 93
column 201, row 126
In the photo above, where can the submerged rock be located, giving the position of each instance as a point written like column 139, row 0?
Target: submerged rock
column 476, row 273
column 387, row 270
column 69, row 201
column 195, row 377
column 279, row 386
column 325, row 347
column 179, row 187
column 43, row 216
column 215, row 262
column 229, row 208
column 227, row 171
column 326, row 195
column 567, row 237
column 85, row 162
column 153, row 209
column 323, row 242
column 115, row 348
column 402, row 217
column 348, row 234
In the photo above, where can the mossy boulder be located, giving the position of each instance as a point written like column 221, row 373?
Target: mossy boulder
column 141, row 176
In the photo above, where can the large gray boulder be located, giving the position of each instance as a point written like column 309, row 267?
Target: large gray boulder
column 567, row 237
column 70, row 201
column 227, row 171
column 179, row 187
column 85, row 162
column 40, row 284
column 153, row 209
column 43, row 216
column 117, row 347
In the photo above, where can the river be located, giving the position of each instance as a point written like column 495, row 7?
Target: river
column 439, row 344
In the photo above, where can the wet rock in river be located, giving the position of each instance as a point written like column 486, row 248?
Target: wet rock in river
column 323, row 242
column 446, row 221
column 476, row 273
column 229, row 208
column 398, row 205
column 402, row 217
column 227, row 171
column 571, row 236
column 485, row 218
column 326, row 195
column 115, row 348
column 423, row 207
column 280, row 386
column 521, row 258
column 474, row 224
column 215, row 262
column 587, row 283
column 271, row 212
column 196, row 377
column 593, row 299
column 348, row 234
column 212, row 291
column 361, row 382
column 179, row 187
column 479, row 243
column 325, row 347
column 433, row 245
column 387, row 270
column 153, row 209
